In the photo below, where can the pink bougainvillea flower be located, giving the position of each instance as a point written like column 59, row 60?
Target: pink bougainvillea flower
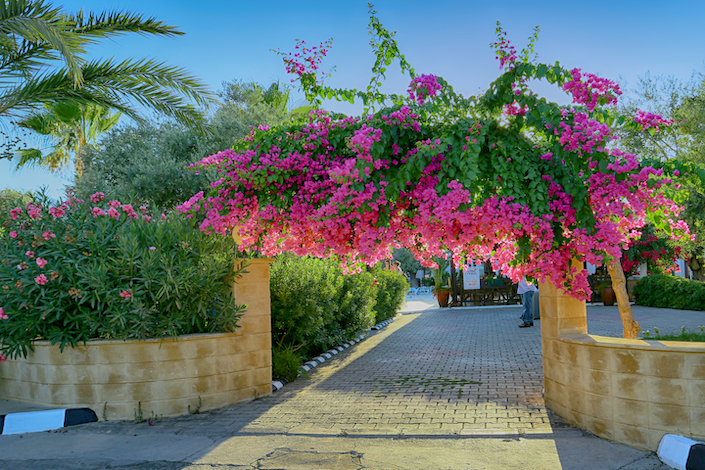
column 97, row 197
column 41, row 279
column 125, row 294
column 13, row 234
column 41, row 262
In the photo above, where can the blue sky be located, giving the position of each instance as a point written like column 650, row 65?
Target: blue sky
column 228, row 40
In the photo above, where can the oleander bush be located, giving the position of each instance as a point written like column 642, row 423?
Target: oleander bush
column 391, row 292
column 81, row 270
column 315, row 307
column 666, row 291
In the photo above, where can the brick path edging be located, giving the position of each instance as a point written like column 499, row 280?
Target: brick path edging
column 316, row 361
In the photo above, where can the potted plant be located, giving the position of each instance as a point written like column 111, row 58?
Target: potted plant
column 440, row 281
column 603, row 285
column 442, row 294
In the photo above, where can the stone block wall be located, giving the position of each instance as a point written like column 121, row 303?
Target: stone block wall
column 629, row 391
column 116, row 379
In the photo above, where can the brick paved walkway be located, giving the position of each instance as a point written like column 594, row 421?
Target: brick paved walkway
column 438, row 372
column 431, row 372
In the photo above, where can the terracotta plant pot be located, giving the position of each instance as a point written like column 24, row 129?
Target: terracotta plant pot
column 442, row 297
column 608, row 296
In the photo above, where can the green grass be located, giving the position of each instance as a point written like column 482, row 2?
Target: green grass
column 683, row 336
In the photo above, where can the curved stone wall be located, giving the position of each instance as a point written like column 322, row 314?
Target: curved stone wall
column 118, row 379
column 629, row 391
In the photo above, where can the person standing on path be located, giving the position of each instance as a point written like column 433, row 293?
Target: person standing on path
column 526, row 290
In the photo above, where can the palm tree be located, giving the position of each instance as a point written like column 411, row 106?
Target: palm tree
column 71, row 127
column 42, row 64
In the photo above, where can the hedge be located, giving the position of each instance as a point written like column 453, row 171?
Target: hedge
column 666, row 291
column 316, row 307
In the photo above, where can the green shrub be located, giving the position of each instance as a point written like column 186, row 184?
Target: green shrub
column 357, row 303
column 78, row 271
column 286, row 363
column 315, row 306
column 665, row 291
column 391, row 292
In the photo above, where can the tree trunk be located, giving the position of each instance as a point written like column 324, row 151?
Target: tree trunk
column 630, row 328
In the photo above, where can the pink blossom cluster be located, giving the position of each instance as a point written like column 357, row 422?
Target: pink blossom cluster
column 306, row 61
column 337, row 196
column 33, row 211
column 515, row 109
column 533, row 195
column 423, row 87
column 505, row 52
column 593, row 92
column 585, row 134
column 647, row 120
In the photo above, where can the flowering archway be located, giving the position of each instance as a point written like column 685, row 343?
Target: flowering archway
column 506, row 175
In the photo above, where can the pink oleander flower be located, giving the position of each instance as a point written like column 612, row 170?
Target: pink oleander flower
column 2, row 358
column 97, row 212
column 57, row 212
column 14, row 213
column 125, row 294
column 34, row 211
column 41, row 279
column 152, row 248
column 114, row 204
column 41, row 262
column 13, row 234
column 2, row 314
column 48, row 234
column 97, row 197
column 29, row 254
column 113, row 213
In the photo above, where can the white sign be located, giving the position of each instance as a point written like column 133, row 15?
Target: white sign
column 471, row 278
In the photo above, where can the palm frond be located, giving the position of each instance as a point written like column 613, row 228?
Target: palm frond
column 41, row 24
column 109, row 23
column 35, row 158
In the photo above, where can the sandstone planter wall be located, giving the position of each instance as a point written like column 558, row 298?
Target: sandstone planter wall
column 629, row 391
column 162, row 377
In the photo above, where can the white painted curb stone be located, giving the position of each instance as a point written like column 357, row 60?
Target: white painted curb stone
column 682, row 453
column 46, row 420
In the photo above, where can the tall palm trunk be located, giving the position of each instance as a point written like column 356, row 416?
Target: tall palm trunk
column 630, row 328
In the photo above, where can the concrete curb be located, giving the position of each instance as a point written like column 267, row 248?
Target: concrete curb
column 383, row 324
column 46, row 420
column 316, row 361
column 682, row 453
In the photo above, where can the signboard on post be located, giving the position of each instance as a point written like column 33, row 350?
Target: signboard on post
column 471, row 278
